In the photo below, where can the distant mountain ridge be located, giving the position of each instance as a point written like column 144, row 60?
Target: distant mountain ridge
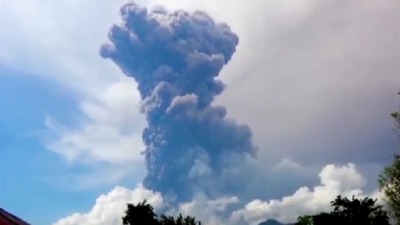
column 273, row 222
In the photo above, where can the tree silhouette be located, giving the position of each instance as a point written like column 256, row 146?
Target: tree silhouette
column 180, row 220
column 389, row 180
column 359, row 211
column 143, row 214
column 140, row 214
column 349, row 212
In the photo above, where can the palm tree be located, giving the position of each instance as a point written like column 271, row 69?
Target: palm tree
column 349, row 212
column 359, row 211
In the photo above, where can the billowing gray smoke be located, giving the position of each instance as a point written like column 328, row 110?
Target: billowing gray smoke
column 175, row 58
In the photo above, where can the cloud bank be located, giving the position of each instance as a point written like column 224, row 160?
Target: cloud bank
column 334, row 180
column 110, row 207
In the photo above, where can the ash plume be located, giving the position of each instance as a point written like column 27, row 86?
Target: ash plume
column 175, row 58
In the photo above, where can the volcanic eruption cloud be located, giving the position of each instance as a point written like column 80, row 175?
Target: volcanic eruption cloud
column 175, row 57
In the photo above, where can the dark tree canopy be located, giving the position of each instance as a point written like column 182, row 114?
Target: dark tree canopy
column 143, row 214
column 180, row 220
column 389, row 180
column 349, row 212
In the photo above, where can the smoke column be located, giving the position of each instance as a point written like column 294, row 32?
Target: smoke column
column 175, row 58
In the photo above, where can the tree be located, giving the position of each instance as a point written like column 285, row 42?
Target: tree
column 349, row 212
column 359, row 211
column 305, row 220
column 396, row 117
column 143, row 214
column 389, row 180
column 140, row 214
column 326, row 219
column 180, row 220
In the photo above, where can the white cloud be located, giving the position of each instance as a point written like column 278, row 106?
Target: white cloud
column 110, row 208
column 334, row 180
column 60, row 40
column 107, row 139
column 110, row 132
column 208, row 211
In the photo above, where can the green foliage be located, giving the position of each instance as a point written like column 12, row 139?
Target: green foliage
column 305, row 220
column 143, row 214
column 396, row 117
column 389, row 180
column 349, row 212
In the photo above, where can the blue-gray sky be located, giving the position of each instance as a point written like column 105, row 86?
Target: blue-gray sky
column 314, row 80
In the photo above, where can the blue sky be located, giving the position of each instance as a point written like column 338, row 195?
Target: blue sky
column 30, row 173
column 25, row 162
column 315, row 88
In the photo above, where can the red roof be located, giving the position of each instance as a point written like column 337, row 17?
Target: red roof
column 7, row 218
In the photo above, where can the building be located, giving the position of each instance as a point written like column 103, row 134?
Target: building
column 7, row 218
